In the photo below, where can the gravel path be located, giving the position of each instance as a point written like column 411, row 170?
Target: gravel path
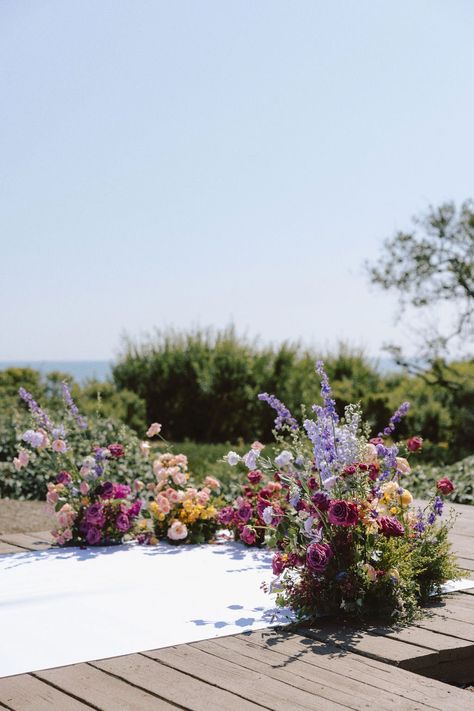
column 23, row 516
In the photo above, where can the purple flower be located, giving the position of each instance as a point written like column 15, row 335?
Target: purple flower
column 72, row 407
column 36, row 439
column 326, row 392
column 122, row 522
column 95, row 515
column 438, row 506
column 395, row 419
column 40, row 415
column 318, row 556
column 93, row 536
column 284, row 416
column 279, row 563
column 248, row 535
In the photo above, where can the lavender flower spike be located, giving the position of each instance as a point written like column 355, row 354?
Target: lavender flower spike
column 326, row 392
column 395, row 419
column 40, row 415
column 72, row 407
column 284, row 416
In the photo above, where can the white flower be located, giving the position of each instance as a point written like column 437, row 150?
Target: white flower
column 329, row 482
column 267, row 515
column 232, row 458
column 250, row 459
column 284, row 458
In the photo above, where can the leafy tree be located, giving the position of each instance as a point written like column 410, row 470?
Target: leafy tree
column 431, row 265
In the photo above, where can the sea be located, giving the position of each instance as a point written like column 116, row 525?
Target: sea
column 79, row 370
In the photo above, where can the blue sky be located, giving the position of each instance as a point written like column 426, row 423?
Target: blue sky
column 185, row 163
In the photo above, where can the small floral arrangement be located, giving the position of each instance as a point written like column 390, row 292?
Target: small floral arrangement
column 260, row 504
column 350, row 539
column 89, row 508
column 179, row 511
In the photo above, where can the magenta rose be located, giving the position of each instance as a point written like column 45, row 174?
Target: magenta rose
column 248, row 535
column 390, row 526
column 414, row 444
column 135, row 509
column 226, row 515
column 121, row 491
column 93, row 536
column 122, row 522
column 318, row 556
column 342, row 513
column 255, row 476
column 445, row 486
column 313, row 483
column 95, row 515
column 63, row 478
column 116, row 450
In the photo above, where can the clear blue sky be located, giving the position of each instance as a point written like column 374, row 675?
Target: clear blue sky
column 198, row 162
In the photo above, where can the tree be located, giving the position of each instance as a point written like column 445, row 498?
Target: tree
column 429, row 266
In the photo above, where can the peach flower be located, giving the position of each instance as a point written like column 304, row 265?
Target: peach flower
column 153, row 429
column 177, row 531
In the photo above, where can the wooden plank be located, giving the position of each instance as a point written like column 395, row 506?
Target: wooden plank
column 466, row 563
column 25, row 693
column 385, row 649
column 330, row 685
column 172, row 685
column 447, row 647
column 436, row 623
column 25, row 540
column 251, row 685
column 101, row 690
column 6, row 548
column 382, row 676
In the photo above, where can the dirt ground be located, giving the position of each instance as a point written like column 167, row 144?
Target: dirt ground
column 23, row 516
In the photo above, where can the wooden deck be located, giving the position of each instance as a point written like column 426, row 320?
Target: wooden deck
column 325, row 667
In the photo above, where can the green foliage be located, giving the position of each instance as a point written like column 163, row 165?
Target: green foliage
column 460, row 473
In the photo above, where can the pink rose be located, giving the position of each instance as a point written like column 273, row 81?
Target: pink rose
column 59, row 446
column 202, row 497
column 84, row 488
column 22, row 460
column 258, row 446
column 445, row 486
column 52, row 497
column 177, row 531
column 163, row 504
column 255, row 476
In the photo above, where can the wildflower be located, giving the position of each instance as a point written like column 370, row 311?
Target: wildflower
column 395, row 419
column 232, row 458
column 284, row 458
column 116, row 450
column 250, row 459
column 59, row 446
column 72, row 407
column 22, row 460
column 248, row 535
column 40, row 415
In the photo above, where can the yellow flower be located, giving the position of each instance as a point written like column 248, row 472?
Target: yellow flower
column 153, row 506
column 394, row 510
column 406, row 498
column 153, row 541
column 143, row 524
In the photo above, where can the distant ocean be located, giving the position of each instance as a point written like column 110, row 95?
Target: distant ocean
column 79, row 370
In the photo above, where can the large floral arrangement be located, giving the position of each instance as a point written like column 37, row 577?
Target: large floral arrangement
column 180, row 511
column 259, row 505
column 89, row 508
column 351, row 539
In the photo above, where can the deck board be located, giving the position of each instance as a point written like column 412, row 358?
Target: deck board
column 324, row 667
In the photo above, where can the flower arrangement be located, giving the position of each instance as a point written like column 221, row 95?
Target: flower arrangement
column 179, row 511
column 261, row 503
column 88, row 507
column 350, row 539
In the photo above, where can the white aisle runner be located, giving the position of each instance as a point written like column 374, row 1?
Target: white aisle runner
column 60, row 607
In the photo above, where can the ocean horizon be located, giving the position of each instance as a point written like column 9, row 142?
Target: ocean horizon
column 79, row 370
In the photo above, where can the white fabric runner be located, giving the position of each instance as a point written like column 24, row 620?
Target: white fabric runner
column 64, row 606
